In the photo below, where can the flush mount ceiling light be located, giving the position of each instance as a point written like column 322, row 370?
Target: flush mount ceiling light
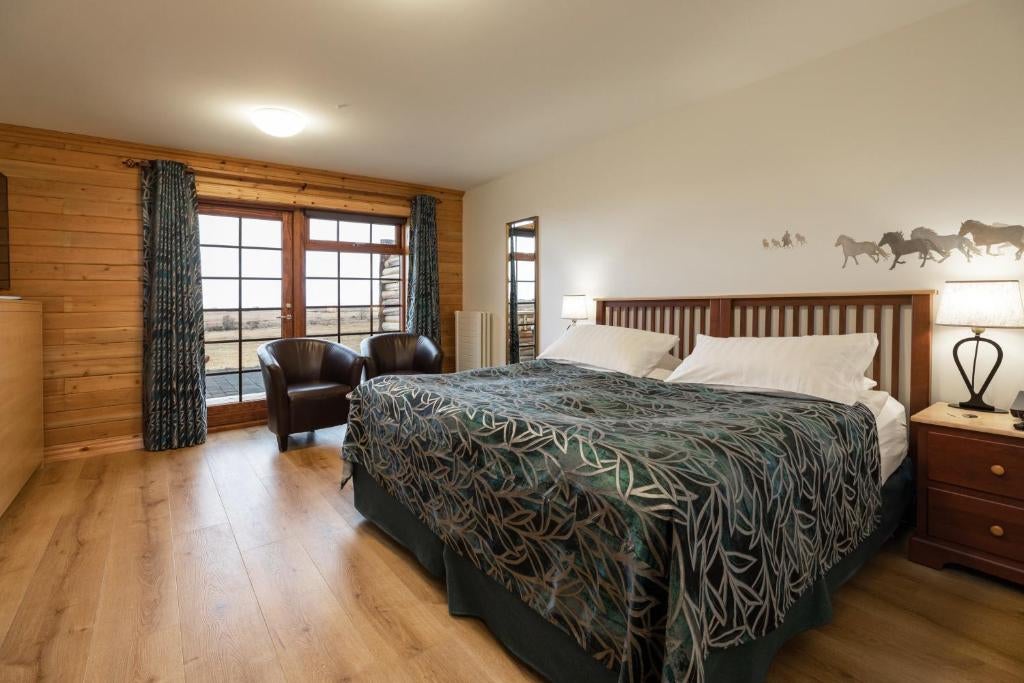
column 278, row 121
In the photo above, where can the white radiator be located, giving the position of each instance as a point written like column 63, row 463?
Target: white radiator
column 472, row 340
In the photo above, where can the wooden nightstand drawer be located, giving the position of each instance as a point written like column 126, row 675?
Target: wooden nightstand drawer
column 977, row 523
column 976, row 464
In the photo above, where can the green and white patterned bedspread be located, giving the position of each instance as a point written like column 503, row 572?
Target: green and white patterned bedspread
column 653, row 522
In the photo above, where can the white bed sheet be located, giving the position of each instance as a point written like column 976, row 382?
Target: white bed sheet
column 892, row 436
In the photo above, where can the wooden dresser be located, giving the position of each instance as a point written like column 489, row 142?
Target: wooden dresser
column 21, row 395
column 970, row 491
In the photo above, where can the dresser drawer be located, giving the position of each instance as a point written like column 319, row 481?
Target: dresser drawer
column 978, row 464
column 976, row 522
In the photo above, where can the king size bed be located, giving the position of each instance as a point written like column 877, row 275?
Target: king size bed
column 615, row 527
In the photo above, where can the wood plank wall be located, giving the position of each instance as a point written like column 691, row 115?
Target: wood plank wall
column 75, row 235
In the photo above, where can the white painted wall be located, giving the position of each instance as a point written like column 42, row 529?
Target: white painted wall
column 922, row 126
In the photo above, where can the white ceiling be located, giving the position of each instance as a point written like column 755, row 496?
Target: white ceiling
column 447, row 92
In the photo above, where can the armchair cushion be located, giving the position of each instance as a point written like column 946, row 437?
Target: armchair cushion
column 313, row 391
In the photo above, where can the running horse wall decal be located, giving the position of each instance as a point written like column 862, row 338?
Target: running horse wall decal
column 852, row 249
column 989, row 236
column 901, row 247
column 946, row 242
column 786, row 242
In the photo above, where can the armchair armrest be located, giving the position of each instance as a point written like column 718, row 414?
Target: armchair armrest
column 370, row 365
column 429, row 356
column 342, row 364
column 276, row 388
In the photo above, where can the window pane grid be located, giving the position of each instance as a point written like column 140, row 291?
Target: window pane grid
column 366, row 284
column 237, row 310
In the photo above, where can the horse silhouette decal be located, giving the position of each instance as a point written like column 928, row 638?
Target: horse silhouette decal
column 901, row 247
column 989, row 236
column 946, row 242
column 852, row 249
column 787, row 241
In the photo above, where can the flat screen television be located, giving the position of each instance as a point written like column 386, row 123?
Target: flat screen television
column 5, row 237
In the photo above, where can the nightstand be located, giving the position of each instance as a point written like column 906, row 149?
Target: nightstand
column 970, row 491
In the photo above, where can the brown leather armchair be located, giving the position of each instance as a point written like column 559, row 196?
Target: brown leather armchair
column 307, row 381
column 398, row 353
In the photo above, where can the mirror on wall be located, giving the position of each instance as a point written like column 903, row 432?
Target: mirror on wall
column 5, row 261
column 521, row 277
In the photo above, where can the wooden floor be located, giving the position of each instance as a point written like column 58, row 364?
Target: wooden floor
column 231, row 561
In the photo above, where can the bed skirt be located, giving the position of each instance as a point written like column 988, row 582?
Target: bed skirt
column 552, row 652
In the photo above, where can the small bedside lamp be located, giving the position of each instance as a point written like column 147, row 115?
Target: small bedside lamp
column 979, row 305
column 574, row 307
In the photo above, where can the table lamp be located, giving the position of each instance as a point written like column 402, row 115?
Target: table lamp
column 979, row 305
column 574, row 307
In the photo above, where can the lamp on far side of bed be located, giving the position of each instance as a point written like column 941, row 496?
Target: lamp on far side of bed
column 574, row 307
column 979, row 305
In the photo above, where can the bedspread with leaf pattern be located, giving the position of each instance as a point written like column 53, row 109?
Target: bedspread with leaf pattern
column 653, row 522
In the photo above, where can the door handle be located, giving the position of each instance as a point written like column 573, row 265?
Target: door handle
column 285, row 317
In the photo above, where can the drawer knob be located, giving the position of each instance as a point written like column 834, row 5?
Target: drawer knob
column 996, row 530
column 998, row 470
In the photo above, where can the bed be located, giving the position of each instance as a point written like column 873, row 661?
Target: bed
column 609, row 527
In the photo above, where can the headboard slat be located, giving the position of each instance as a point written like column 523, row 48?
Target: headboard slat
column 876, row 364
column 895, row 339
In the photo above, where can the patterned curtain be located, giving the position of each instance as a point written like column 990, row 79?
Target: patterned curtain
column 513, row 302
column 424, row 291
column 173, row 372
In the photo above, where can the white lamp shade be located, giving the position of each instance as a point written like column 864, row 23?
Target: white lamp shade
column 981, row 304
column 574, row 307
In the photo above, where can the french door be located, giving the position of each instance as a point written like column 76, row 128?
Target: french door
column 248, row 300
column 275, row 273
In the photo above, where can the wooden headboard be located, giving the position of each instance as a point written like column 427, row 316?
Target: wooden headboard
column 902, row 321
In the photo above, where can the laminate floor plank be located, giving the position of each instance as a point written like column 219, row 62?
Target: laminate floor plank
column 368, row 590
column 194, row 500
column 49, row 637
column 315, row 638
column 25, row 532
column 256, row 517
column 137, row 636
column 223, row 633
column 234, row 562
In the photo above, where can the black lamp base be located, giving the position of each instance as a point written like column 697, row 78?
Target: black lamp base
column 983, row 408
column 976, row 402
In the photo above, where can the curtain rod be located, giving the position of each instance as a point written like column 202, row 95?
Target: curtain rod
column 302, row 186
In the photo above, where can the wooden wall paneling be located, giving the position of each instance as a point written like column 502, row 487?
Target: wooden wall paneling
column 75, row 236
column 5, row 237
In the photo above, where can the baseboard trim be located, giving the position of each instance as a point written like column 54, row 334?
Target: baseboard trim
column 121, row 444
column 235, row 425
column 87, row 449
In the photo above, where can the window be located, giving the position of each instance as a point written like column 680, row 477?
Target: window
column 243, row 292
column 354, row 276
column 521, row 290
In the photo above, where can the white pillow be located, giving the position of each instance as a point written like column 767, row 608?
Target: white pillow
column 634, row 352
column 825, row 366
